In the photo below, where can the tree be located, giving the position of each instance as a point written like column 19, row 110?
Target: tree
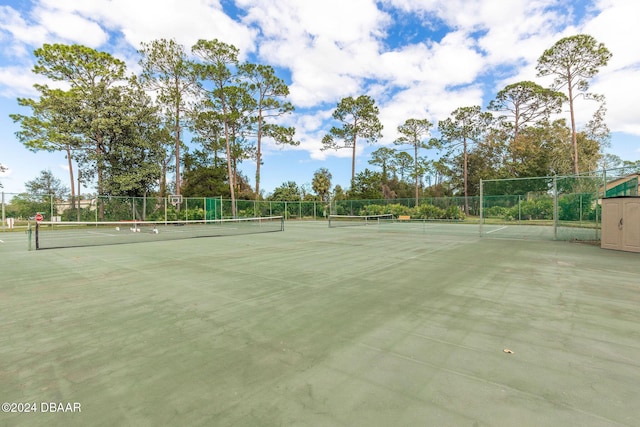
column 42, row 192
column 610, row 161
column 359, row 118
column 288, row 191
column 402, row 163
column 80, row 118
column 133, row 144
column 204, row 175
column 525, row 104
column 573, row 61
column 269, row 93
column 321, row 183
column 338, row 193
column 383, row 157
column 218, row 65
column 366, row 185
column 466, row 126
column 167, row 70
column 414, row 132
column 47, row 184
column 50, row 126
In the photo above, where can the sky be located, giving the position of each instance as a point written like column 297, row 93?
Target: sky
column 415, row 58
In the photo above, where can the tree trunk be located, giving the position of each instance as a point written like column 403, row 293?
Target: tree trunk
column 258, row 155
column 464, row 173
column 416, row 170
column 353, row 163
column 574, row 135
column 177, row 142
column 73, row 188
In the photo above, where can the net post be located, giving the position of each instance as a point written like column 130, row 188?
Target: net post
column 37, row 235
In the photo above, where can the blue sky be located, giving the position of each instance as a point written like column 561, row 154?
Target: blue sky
column 416, row 58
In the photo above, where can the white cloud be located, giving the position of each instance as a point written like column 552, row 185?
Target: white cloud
column 17, row 81
column 21, row 31
column 336, row 48
column 71, row 27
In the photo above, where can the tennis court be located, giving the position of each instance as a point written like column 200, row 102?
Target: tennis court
column 393, row 324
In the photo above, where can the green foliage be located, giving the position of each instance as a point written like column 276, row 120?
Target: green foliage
column 467, row 126
column 321, row 183
column 577, row 207
column 539, row 208
column 270, row 93
column 288, row 191
column 426, row 211
column 47, row 184
column 526, row 103
column 359, row 119
column 167, row 70
column 25, row 206
column 573, row 61
column 366, row 186
column 383, row 157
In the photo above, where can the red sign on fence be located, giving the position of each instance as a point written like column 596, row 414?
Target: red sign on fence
column 39, row 217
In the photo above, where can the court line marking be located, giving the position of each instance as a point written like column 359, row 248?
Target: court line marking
column 497, row 229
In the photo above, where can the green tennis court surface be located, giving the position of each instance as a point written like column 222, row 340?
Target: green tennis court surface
column 398, row 324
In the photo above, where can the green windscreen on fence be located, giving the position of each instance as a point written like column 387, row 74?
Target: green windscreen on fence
column 628, row 187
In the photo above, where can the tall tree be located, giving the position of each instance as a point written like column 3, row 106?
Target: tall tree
column 573, row 61
column 51, row 125
column 92, row 77
column 525, row 104
column 133, row 144
column 270, row 93
column 466, row 126
column 359, row 118
column 218, row 65
column 167, row 70
column 414, row 132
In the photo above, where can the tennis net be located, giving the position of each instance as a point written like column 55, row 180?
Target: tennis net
column 49, row 235
column 355, row 220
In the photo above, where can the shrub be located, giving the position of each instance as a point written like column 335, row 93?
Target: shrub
column 428, row 212
column 454, row 212
column 496, row 212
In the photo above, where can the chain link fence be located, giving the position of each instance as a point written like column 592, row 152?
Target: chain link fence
column 557, row 207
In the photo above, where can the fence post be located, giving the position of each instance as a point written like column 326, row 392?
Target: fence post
column 481, row 203
column 3, row 213
column 555, row 208
column 519, row 208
